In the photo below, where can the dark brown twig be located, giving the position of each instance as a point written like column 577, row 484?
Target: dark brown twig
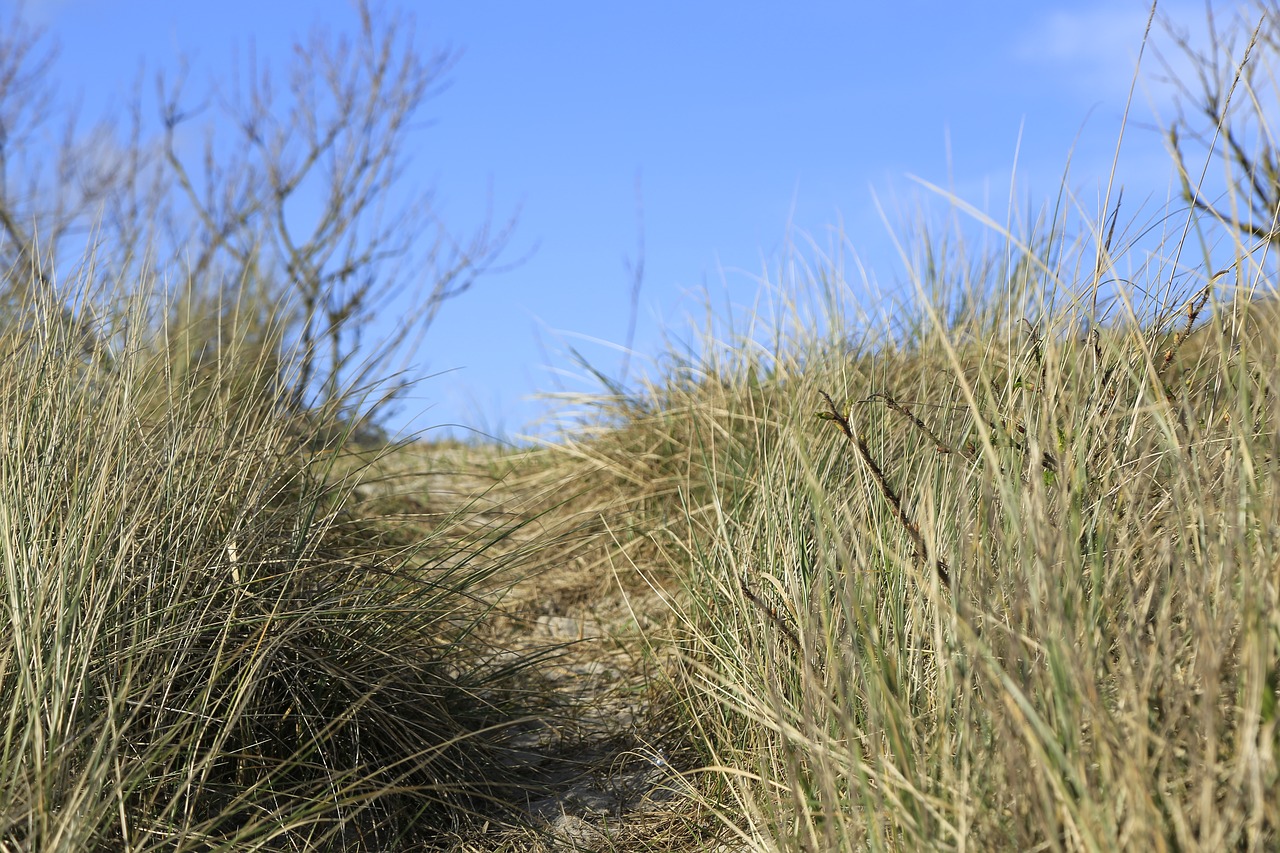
column 771, row 613
column 905, row 411
column 895, row 502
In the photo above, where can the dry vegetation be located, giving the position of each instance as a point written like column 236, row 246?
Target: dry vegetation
column 1000, row 573
column 1020, row 594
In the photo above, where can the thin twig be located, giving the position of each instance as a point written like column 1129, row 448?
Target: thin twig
column 905, row 411
column 895, row 502
column 771, row 614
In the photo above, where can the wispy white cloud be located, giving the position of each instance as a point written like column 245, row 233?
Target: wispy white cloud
column 1092, row 50
column 1086, row 55
column 42, row 13
column 1085, row 35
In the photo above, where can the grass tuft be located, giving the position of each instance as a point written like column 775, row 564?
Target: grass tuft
column 991, row 584
column 201, row 648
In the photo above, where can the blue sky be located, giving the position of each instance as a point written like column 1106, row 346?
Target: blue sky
column 748, row 123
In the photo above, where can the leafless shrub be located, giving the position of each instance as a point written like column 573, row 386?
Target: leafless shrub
column 299, row 195
column 1223, row 103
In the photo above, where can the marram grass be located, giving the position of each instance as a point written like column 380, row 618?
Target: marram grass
column 990, row 575
column 997, row 585
column 197, row 653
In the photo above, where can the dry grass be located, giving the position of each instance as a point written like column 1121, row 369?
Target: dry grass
column 203, row 647
column 997, row 571
column 971, row 581
column 996, row 586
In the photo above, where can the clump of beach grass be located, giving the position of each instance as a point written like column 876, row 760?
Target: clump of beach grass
column 201, row 650
column 1001, row 576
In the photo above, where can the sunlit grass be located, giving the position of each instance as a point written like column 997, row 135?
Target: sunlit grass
column 989, row 565
column 202, row 648
column 996, row 584
column 986, row 575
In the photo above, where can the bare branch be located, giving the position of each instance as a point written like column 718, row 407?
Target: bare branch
column 296, row 183
column 1228, row 103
